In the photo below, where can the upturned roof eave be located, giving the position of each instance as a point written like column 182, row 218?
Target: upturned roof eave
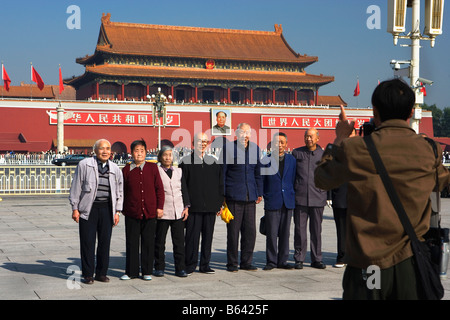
column 305, row 60
column 196, row 74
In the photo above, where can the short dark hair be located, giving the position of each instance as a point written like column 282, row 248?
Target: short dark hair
column 138, row 143
column 394, row 99
column 277, row 134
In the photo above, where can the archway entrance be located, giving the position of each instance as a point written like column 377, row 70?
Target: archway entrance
column 119, row 147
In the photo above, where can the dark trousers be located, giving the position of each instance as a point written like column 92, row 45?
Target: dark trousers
column 177, row 234
column 301, row 215
column 99, row 225
column 244, row 223
column 278, row 224
column 139, row 233
column 395, row 283
column 199, row 223
column 340, row 217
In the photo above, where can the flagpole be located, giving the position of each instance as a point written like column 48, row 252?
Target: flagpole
column 3, row 80
column 357, row 97
column 60, row 120
column 31, row 78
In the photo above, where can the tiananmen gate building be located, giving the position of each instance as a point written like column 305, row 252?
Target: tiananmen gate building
column 247, row 76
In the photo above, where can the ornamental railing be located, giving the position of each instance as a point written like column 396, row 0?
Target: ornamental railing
column 29, row 180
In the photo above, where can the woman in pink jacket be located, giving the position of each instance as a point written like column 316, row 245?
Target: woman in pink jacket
column 176, row 205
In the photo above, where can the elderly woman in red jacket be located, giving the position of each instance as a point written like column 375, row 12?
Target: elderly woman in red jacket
column 143, row 203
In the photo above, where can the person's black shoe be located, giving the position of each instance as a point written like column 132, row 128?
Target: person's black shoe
column 208, row 271
column 232, row 269
column 102, row 278
column 158, row 273
column 249, row 268
column 298, row 265
column 318, row 265
column 181, row 274
column 268, row 267
column 88, row 280
column 286, row 266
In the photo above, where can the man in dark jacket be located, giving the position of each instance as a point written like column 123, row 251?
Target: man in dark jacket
column 204, row 180
column 310, row 202
column 243, row 190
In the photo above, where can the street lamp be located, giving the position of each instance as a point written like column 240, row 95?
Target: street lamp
column 433, row 27
column 159, row 111
column 59, row 129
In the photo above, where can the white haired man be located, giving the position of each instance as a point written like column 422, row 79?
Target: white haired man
column 96, row 197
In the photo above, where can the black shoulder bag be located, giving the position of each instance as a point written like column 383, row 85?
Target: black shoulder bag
column 427, row 270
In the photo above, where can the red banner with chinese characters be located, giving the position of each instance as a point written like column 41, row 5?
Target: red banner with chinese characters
column 98, row 118
column 305, row 122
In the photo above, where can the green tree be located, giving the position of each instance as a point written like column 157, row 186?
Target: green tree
column 437, row 115
column 445, row 123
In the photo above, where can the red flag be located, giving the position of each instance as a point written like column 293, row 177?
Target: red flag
column 356, row 92
column 35, row 77
column 423, row 90
column 61, row 84
column 5, row 78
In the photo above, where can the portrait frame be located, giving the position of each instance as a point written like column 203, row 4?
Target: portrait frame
column 226, row 129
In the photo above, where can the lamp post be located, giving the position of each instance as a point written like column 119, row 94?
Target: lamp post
column 60, row 129
column 159, row 111
column 433, row 26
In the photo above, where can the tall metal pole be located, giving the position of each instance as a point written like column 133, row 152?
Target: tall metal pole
column 434, row 10
column 159, row 133
column 415, row 60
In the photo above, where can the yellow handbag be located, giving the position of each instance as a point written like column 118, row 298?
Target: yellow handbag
column 226, row 215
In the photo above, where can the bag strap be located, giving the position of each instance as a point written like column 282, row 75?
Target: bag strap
column 381, row 170
column 436, row 188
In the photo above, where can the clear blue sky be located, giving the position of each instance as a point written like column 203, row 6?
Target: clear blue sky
column 335, row 31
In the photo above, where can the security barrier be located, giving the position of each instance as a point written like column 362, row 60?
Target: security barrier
column 29, row 180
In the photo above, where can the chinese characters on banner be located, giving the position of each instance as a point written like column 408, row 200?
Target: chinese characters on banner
column 305, row 122
column 114, row 118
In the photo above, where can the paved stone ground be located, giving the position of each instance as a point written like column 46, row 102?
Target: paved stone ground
column 39, row 242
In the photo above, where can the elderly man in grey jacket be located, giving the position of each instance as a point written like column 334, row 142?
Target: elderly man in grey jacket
column 96, row 197
column 310, row 202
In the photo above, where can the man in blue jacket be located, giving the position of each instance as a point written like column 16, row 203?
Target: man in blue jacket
column 279, row 202
column 243, row 189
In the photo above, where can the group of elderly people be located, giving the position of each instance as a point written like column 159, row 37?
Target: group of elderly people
column 188, row 198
